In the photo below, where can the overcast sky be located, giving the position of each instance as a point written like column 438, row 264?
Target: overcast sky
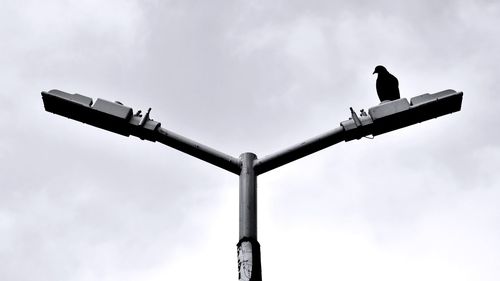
column 78, row 203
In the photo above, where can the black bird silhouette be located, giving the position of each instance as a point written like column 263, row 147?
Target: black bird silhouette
column 387, row 84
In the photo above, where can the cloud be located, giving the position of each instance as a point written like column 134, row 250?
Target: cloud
column 79, row 203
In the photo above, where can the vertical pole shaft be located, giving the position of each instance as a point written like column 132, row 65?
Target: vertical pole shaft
column 249, row 266
column 248, row 197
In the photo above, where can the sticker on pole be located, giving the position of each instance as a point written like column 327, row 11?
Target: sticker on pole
column 245, row 261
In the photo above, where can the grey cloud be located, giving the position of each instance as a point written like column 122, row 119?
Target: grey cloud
column 79, row 203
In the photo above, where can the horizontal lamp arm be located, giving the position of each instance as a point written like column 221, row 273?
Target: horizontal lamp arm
column 198, row 150
column 299, row 150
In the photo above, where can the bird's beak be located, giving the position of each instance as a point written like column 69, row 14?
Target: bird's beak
column 374, row 71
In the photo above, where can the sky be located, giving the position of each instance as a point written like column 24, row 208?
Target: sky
column 79, row 203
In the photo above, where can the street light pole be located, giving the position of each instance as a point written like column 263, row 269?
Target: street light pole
column 249, row 264
column 380, row 119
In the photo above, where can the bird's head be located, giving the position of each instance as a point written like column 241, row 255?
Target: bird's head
column 379, row 69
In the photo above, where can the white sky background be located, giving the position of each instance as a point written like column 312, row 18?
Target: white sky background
column 79, row 203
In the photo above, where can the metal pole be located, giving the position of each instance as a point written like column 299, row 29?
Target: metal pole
column 249, row 265
column 299, row 150
column 198, row 150
column 383, row 118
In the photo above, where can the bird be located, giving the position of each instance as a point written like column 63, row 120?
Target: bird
column 387, row 85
